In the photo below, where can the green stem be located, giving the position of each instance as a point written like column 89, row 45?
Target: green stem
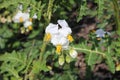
column 49, row 10
column 91, row 51
column 49, row 13
column 116, row 13
column 42, row 51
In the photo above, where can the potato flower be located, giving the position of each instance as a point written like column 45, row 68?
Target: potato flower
column 28, row 25
column 59, row 35
column 65, row 30
column 21, row 17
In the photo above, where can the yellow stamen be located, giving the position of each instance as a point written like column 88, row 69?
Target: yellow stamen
column 70, row 38
column 98, row 38
column 21, row 19
column 47, row 37
column 58, row 49
column 93, row 31
column 30, row 19
column 30, row 28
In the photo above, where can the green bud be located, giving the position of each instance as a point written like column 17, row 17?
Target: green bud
column 61, row 60
column 68, row 59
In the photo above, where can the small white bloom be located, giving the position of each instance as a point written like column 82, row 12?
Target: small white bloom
column 20, row 17
column 17, row 17
column 73, row 53
column 27, row 23
column 34, row 16
column 100, row 33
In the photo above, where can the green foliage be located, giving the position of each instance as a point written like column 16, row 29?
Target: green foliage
column 13, row 63
column 26, row 55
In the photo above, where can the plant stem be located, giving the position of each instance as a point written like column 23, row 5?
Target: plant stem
column 42, row 50
column 49, row 13
column 116, row 13
column 91, row 51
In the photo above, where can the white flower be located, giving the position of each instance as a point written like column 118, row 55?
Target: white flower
column 21, row 17
column 27, row 23
column 34, row 16
column 59, row 37
column 100, row 33
column 73, row 53
column 59, row 40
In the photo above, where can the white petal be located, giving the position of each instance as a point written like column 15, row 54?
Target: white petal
column 73, row 53
column 52, row 29
column 34, row 16
column 63, row 41
column 65, row 31
column 27, row 23
column 62, row 23
column 60, row 40
column 17, row 16
column 55, row 40
column 26, row 16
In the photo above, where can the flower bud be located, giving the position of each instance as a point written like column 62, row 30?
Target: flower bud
column 61, row 60
column 73, row 53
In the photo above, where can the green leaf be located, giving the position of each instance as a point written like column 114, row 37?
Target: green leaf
column 110, row 62
column 92, row 58
column 2, row 43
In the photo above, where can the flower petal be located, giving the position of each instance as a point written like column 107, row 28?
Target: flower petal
column 65, row 31
column 52, row 29
column 62, row 23
column 100, row 33
column 27, row 23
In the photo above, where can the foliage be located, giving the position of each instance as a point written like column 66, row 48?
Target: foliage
column 24, row 54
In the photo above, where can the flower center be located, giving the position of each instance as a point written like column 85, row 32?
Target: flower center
column 70, row 38
column 47, row 37
column 30, row 28
column 98, row 38
column 93, row 31
column 30, row 19
column 58, row 49
column 21, row 19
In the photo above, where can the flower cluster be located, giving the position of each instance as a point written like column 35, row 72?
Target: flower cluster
column 24, row 17
column 60, row 36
